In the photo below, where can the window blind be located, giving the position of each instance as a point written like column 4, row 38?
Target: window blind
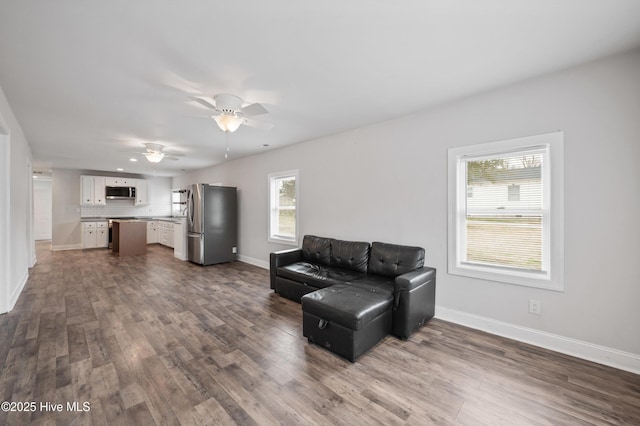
column 504, row 213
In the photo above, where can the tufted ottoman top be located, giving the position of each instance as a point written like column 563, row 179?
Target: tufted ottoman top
column 346, row 305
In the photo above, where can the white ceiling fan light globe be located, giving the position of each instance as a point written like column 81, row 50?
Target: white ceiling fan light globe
column 154, row 157
column 228, row 123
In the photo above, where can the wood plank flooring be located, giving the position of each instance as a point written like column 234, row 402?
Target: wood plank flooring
column 153, row 340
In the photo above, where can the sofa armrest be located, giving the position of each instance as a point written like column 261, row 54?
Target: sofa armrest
column 414, row 301
column 282, row 258
column 413, row 279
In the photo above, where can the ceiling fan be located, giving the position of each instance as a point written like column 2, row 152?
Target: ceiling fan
column 155, row 153
column 230, row 114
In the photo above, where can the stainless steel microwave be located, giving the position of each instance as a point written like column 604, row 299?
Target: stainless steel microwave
column 120, row 192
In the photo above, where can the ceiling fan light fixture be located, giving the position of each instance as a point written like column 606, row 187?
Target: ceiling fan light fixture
column 154, row 157
column 228, row 123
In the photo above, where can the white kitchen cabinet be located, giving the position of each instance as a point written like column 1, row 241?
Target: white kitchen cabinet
column 165, row 233
column 89, row 239
column 120, row 181
column 87, row 190
column 95, row 234
column 99, row 195
column 102, row 237
column 152, row 232
column 180, row 241
column 92, row 191
column 142, row 192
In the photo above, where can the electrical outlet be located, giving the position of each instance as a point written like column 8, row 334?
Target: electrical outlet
column 234, row 250
column 535, row 307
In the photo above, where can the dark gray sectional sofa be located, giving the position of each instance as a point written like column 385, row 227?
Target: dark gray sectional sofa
column 355, row 293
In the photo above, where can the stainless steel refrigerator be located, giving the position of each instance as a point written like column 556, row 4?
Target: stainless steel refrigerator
column 212, row 224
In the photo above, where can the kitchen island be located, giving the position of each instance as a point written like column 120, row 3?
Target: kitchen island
column 129, row 237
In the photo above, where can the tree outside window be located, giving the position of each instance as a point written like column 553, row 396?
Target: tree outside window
column 283, row 220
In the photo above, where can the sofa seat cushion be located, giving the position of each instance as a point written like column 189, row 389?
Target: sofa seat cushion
column 346, row 305
column 375, row 283
column 318, row 276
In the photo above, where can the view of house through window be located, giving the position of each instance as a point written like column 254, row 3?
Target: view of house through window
column 504, row 216
column 283, row 214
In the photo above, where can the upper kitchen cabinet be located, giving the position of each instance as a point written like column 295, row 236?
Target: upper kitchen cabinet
column 120, row 181
column 99, row 195
column 92, row 190
column 142, row 192
column 87, row 190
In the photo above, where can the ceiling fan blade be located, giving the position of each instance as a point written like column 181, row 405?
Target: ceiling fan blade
column 253, row 109
column 173, row 81
column 258, row 124
column 170, row 157
column 203, row 101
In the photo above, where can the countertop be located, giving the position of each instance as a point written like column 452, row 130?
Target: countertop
column 141, row 218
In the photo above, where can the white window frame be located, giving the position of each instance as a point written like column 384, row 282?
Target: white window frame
column 273, row 208
column 552, row 276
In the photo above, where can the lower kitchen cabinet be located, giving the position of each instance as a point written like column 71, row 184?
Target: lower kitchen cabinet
column 180, row 241
column 89, row 239
column 95, row 234
column 165, row 234
column 102, row 236
column 169, row 233
column 160, row 231
column 152, row 232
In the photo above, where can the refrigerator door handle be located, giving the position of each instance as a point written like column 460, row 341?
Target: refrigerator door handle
column 190, row 209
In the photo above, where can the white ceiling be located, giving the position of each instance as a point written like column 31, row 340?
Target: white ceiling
column 88, row 80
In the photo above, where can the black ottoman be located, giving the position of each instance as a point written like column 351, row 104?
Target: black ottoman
column 346, row 320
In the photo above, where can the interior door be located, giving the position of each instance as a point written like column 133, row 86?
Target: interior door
column 42, row 209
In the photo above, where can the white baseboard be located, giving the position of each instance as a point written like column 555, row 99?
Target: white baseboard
column 15, row 294
column 591, row 352
column 252, row 261
column 66, row 247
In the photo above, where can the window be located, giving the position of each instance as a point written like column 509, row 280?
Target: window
column 506, row 211
column 514, row 192
column 283, row 212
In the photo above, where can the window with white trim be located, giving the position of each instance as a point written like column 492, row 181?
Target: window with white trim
column 506, row 211
column 283, row 211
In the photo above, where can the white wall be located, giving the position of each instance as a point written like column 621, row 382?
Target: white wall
column 16, row 246
column 67, row 212
column 388, row 182
column 65, row 209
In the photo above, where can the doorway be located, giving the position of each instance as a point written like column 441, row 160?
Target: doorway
column 41, row 208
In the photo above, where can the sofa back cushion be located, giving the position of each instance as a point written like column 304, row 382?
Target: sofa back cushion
column 353, row 255
column 316, row 249
column 392, row 260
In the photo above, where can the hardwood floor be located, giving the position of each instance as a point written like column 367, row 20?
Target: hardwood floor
column 154, row 340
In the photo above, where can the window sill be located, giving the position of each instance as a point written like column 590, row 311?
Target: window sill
column 287, row 241
column 527, row 279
